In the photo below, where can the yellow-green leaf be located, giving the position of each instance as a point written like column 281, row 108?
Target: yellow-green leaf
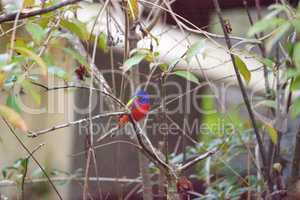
column 187, row 75
column 28, row 3
column 26, row 52
column 296, row 54
column 2, row 79
column 242, row 67
column 272, row 133
column 133, row 9
column 102, row 42
column 13, row 117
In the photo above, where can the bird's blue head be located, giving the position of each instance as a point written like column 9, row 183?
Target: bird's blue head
column 143, row 97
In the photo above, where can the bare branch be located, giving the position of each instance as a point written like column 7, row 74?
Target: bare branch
column 9, row 183
column 72, row 123
column 12, row 16
column 197, row 159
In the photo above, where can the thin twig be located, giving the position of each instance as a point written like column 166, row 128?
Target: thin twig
column 34, row 159
column 107, row 144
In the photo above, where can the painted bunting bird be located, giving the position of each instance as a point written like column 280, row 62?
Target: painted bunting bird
column 139, row 105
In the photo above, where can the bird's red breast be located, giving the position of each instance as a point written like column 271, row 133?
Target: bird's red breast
column 138, row 112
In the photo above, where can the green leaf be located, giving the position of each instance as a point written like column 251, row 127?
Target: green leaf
column 76, row 56
column 296, row 84
column 272, row 133
column 268, row 62
column 36, row 31
column 28, row 87
column 289, row 46
column 277, row 36
column 76, row 27
column 24, row 163
column 264, row 25
column 132, row 61
column 187, row 75
column 194, row 50
column 296, row 55
column 45, row 19
column 296, row 24
column 12, row 102
column 295, row 109
column 58, row 72
column 102, row 43
column 26, row 52
column 242, row 67
column 13, row 117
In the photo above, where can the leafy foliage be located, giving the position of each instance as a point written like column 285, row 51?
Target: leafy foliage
column 30, row 62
